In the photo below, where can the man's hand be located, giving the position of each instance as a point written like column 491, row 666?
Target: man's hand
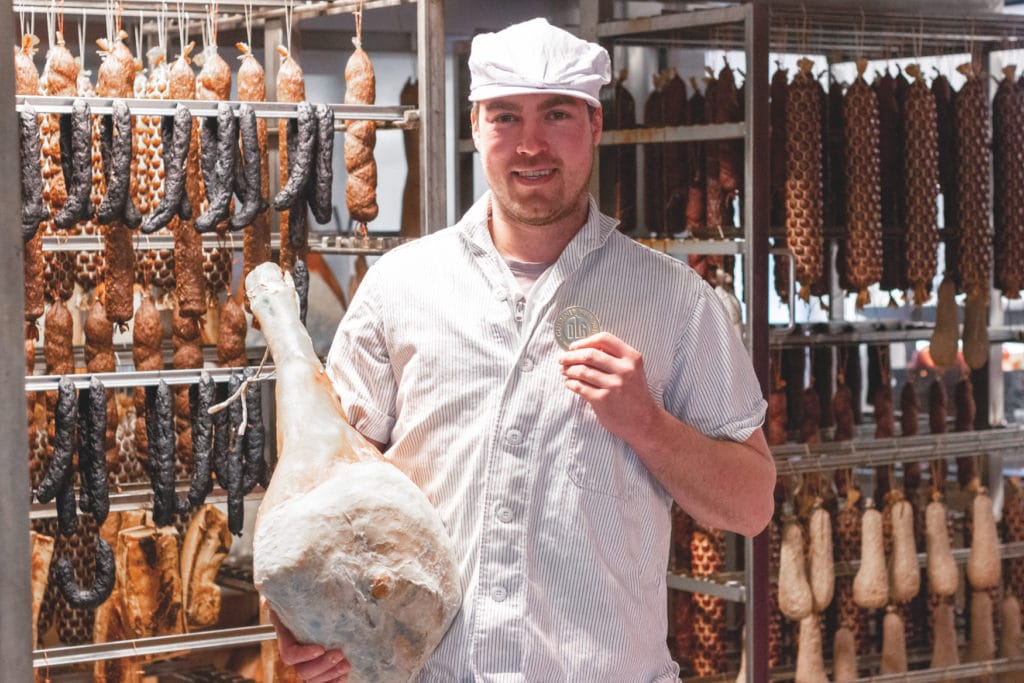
column 312, row 662
column 609, row 374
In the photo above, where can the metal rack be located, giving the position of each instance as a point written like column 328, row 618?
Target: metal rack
column 322, row 243
column 874, row 332
column 401, row 116
column 200, row 640
column 841, row 33
column 139, row 497
column 749, row 21
column 135, row 378
column 803, row 458
column 230, row 12
column 15, row 618
column 729, row 585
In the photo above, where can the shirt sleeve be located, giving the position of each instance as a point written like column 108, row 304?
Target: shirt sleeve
column 359, row 366
column 713, row 387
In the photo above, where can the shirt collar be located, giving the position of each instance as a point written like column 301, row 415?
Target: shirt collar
column 593, row 235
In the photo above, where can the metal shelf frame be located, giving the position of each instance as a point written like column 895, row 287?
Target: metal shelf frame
column 877, row 333
column 200, row 640
column 729, row 585
column 319, row 242
column 139, row 497
column 404, row 116
column 794, row 459
column 137, row 378
column 230, row 12
column 750, row 21
column 16, row 647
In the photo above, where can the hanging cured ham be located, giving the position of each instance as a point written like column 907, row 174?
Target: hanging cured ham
column 347, row 550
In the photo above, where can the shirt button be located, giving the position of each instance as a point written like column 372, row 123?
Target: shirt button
column 526, row 365
column 513, row 437
column 505, row 514
column 498, row 594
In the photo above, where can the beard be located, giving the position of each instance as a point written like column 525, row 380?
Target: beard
column 540, row 211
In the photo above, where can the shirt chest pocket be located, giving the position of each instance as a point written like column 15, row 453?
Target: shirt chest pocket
column 600, row 461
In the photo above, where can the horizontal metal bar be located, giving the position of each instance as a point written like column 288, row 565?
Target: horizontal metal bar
column 642, row 136
column 685, row 246
column 229, row 14
column 330, row 244
column 139, row 497
column 950, row 673
column 1007, row 551
column 670, row 22
column 123, row 355
column 802, row 458
column 135, row 378
column 731, row 589
column 862, row 334
column 202, row 640
column 45, row 104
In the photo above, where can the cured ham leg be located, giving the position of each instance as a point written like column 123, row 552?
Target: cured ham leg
column 347, row 550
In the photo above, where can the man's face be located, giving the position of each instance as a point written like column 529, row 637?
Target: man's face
column 537, row 152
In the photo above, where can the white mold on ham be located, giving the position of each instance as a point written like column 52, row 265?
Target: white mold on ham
column 348, row 551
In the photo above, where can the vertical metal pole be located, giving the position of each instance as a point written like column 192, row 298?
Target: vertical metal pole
column 15, row 584
column 755, row 225
column 464, row 161
column 591, row 14
column 433, row 149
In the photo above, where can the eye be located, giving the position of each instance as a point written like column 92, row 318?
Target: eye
column 559, row 115
column 504, row 118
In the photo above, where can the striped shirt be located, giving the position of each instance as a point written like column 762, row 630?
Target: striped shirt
column 562, row 534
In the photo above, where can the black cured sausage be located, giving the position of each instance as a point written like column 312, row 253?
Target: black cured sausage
column 89, row 598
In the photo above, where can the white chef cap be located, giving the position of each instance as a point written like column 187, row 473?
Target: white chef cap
column 533, row 57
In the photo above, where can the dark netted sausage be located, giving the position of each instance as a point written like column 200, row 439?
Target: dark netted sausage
column 233, row 468
column 76, row 130
column 298, row 226
column 320, row 200
column 65, row 415
column 221, row 439
column 32, row 209
column 252, row 169
column 303, row 131
column 85, row 450
column 117, row 165
column 254, row 470
column 176, row 133
column 160, row 435
column 93, row 472
column 221, row 143
column 202, row 436
column 67, row 515
column 300, row 276
column 102, row 586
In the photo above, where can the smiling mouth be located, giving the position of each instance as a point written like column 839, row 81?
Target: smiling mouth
column 533, row 174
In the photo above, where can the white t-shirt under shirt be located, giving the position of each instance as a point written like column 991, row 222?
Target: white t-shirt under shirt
column 562, row 534
column 526, row 273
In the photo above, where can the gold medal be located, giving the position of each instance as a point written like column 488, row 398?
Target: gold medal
column 573, row 324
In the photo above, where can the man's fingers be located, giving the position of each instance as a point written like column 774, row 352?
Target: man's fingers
column 594, row 377
column 338, row 672
column 292, row 652
column 605, row 341
column 328, row 667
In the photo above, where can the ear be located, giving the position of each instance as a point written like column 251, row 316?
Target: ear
column 597, row 125
column 474, row 120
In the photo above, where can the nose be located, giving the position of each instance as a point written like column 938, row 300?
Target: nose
column 533, row 140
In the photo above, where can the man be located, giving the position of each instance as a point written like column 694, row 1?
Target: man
column 552, row 386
